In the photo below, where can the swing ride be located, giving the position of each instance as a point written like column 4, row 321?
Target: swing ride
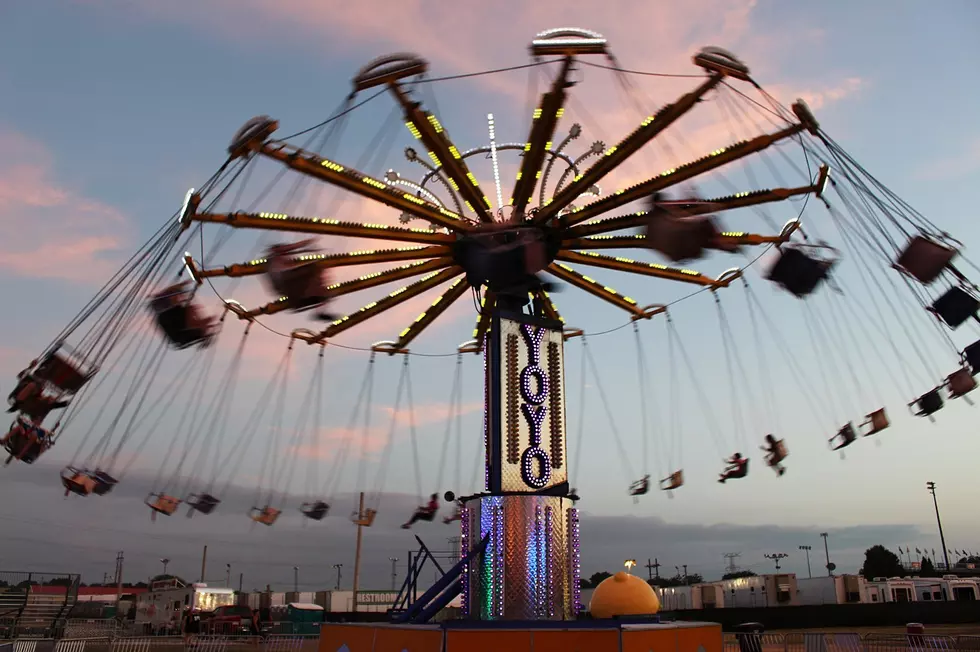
column 512, row 255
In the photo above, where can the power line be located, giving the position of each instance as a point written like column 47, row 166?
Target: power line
column 732, row 567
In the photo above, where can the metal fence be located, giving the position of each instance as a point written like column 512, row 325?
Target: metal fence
column 847, row 642
column 165, row 644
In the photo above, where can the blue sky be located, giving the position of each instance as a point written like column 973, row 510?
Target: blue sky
column 115, row 109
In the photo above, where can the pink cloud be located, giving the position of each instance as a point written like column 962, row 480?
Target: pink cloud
column 48, row 230
column 964, row 162
column 429, row 412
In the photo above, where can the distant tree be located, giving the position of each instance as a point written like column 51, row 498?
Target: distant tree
column 3, row 585
column 26, row 584
column 140, row 585
column 161, row 578
column 879, row 561
column 928, row 569
column 584, row 583
column 596, row 578
column 695, row 578
column 738, row 574
column 59, row 581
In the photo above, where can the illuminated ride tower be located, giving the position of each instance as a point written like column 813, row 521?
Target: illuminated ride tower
column 529, row 569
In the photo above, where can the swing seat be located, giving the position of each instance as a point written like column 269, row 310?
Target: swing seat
column 639, row 488
column 927, row 404
column 180, row 319
column 798, row 272
column 674, row 481
column 315, row 510
column 846, row 436
column 955, row 307
column 204, row 503
column 960, row 383
column 681, row 238
column 103, row 482
column 925, row 259
column 304, row 284
column 265, row 515
column 427, row 515
column 162, row 504
column 735, row 471
column 873, row 423
column 366, row 519
column 77, row 481
column 64, row 369
column 25, row 441
column 971, row 356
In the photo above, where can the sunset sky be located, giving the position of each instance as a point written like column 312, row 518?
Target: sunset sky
column 113, row 109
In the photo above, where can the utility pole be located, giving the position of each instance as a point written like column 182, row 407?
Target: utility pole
column 338, row 567
column 228, row 575
column 931, row 486
column 165, row 563
column 685, row 574
column 777, row 556
column 394, row 571
column 653, row 567
column 807, row 550
column 241, row 580
column 295, row 579
column 826, row 551
column 119, row 576
column 204, row 565
column 357, row 553
column 731, row 557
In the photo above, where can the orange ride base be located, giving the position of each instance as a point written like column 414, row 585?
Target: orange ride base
column 587, row 636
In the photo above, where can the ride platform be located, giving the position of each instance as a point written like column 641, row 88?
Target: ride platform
column 611, row 635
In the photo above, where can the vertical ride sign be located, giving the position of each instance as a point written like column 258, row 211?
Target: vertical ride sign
column 525, row 405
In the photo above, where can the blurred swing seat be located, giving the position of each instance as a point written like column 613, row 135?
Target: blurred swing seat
column 925, row 259
column 315, row 510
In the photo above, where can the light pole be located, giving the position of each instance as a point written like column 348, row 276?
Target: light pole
column 164, row 561
column 776, row 557
column 228, row 575
column 394, row 571
column 629, row 564
column 295, row 579
column 931, row 486
column 831, row 567
column 338, row 567
column 807, row 550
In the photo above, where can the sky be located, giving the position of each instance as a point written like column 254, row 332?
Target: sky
column 117, row 108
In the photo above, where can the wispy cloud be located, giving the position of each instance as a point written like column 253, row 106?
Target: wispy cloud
column 965, row 161
column 47, row 229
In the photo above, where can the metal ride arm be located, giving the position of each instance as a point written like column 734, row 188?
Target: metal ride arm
column 543, row 124
column 739, row 200
column 393, row 299
column 714, row 160
column 371, row 280
column 483, row 319
column 345, row 259
column 550, row 311
column 359, row 183
column 456, row 289
column 323, row 226
column 617, row 154
column 636, row 267
column 593, row 287
column 633, row 241
column 426, row 128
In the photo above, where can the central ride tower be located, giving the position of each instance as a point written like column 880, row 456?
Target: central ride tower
column 530, row 567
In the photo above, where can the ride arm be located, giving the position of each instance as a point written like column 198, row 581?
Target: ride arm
column 456, row 289
column 427, row 128
column 712, row 161
column 361, row 184
column 543, row 124
column 484, row 318
column 604, row 292
column 371, row 280
column 345, row 259
column 323, row 226
column 550, row 311
column 649, row 129
column 731, row 202
column 636, row 267
column 393, row 299
column 639, row 240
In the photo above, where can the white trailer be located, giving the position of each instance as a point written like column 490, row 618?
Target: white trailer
column 162, row 608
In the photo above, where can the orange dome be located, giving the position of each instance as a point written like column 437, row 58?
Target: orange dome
column 623, row 595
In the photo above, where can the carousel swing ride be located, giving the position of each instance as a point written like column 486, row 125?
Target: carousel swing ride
column 520, row 533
